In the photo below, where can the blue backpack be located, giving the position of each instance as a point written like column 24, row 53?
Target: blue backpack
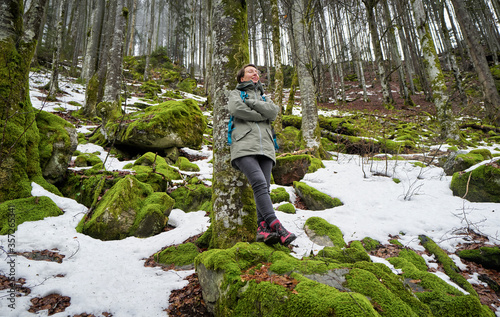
column 230, row 125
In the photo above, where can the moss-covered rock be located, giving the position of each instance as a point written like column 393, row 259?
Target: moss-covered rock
column 288, row 208
column 489, row 257
column 279, row 194
column 313, row 198
column 151, row 89
column 181, row 256
column 192, row 197
column 323, row 233
column 129, row 208
column 87, row 159
column 185, row 165
column 460, row 160
column 289, row 140
column 170, row 124
column 154, row 170
column 290, row 168
column 58, row 141
column 87, row 187
column 15, row 212
column 481, row 185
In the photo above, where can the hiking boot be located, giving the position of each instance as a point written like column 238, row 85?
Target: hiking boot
column 265, row 235
column 286, row 237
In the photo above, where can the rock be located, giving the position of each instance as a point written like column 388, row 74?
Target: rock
column 129, row 208
column 181, row 256
column 58, row 141
column 87, row 159
column 154, row 170
column 323, row 233
column 480, row 185
column 279, row 195
column 488, row 257
column 253, row 279
column 192, row 197
column 15, row 212
column 314, row 199
column 170, row 124
column 291, row 168
column 288, row 208
column 462, row 160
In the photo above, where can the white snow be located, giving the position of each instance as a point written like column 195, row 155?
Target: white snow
column 110, row 276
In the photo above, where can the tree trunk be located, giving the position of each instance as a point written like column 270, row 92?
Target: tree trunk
column 278, row 75
column 377, row 50
column 234, row 216
column 19, row 155
column 310, row 127
column 492, row 98
column 112, row 89
column 93, row 39
column 132, row 30
column 54, row 79
column 150, row 40
column 444, row 113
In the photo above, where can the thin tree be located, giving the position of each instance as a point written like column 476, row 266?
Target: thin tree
column 492, row 98
column 444, row 113
column 278, row 74
column 150, row 40
column 56, row 56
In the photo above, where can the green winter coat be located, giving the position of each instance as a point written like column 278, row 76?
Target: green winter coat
column 252, row 133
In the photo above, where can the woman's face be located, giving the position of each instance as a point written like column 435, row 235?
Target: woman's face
column 251, row 73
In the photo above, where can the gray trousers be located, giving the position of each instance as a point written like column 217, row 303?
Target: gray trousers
column 257, row 169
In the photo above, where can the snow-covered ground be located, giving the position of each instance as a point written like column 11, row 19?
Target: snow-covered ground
column 110, row 276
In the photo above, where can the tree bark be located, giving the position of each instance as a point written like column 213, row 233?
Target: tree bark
column 19, row 155
column 377, row 50
column 54, row 80
column 311, row 133
column 492, row 98
column 278, row 75
column 234, row 216
column 150, row 40
column 449, row 129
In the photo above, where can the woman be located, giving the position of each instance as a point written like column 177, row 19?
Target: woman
column 252, row 149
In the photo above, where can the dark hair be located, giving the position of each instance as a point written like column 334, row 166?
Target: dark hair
column 241, row 72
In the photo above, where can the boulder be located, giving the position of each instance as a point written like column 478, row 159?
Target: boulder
column 181, row 257
column 15, row 212
column 154, row 170
column 462, row 160
column 313, row 198
column 58, row 141
column 323, row 233
column 488, row 257
column 129, row 208
column 253, row 279
column 479, row 185
column 290, row 168
column 192, row 197
column 169, row 124
column 87, row 159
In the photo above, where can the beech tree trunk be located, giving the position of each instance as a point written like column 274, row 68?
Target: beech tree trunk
column 310, row 127
column 54, row 80
column 150, row 40
column 234, row 217
column 278, row 76
column 449, row 129
column 492, row 98
column 19, row 155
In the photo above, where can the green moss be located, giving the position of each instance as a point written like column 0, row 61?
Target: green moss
column 279, row 194
column 86, row 189
column 187, row 85
column 312, row 197
column 323, row 228
column 370, row 244
column 412, row 257
column 181, row 255
column 354, row 253
column 485, row 153
column 395, row 242
column 192, row 197
column 15, row 212
column 154, row 170
column 151, row 89
column 173, row 94
column 288, row 208
column 185, row 165
column 87, row 159
column 448, row 265
column 129, row 208
column 396, row 180
column 488, row 257
column 482, row 186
